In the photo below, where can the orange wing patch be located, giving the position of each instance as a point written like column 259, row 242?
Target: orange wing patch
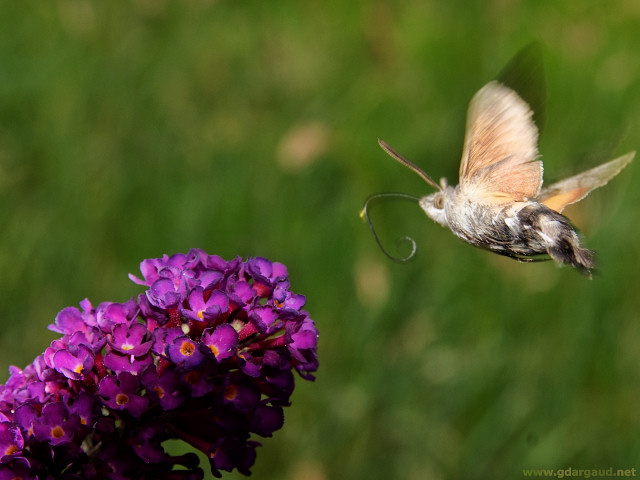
column 573, row 189
column 561, row 200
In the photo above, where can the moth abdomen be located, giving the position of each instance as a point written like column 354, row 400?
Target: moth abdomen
column 558, row 237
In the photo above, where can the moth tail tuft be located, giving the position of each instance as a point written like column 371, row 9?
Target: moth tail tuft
column 571, row 253
column 583, row 260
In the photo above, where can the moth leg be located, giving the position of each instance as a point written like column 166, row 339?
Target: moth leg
column 521, row 258
column 530, row 260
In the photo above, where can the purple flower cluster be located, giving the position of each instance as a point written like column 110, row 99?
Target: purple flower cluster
column 205, row 355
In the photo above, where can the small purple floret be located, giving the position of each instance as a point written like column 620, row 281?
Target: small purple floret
column 123, row 392
column 222, row 342
column 202, row 310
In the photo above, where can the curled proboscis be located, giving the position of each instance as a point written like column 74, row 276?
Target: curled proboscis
column 365, row 214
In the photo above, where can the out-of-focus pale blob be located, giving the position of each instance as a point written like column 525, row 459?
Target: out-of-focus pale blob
column 302, row 145
column 372, row 281
column 308, row 470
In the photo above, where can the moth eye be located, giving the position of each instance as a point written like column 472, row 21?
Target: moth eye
column 438, row 202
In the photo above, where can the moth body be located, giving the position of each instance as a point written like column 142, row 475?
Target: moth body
column 518, row 230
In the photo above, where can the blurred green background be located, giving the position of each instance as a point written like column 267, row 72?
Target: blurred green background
column 133, row 129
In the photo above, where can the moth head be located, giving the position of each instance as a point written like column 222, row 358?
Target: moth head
column 433, row 206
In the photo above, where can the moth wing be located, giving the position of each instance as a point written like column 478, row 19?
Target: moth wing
column 500, row 149
column 573, row 189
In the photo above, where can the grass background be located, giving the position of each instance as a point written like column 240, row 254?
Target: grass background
column 133, row 129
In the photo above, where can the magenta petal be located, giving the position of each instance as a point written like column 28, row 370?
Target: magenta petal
column 222, row 341
column 264, row 317
column 68, row 320
column 73, row 364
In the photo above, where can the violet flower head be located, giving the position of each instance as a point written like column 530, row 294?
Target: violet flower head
column 205, row 355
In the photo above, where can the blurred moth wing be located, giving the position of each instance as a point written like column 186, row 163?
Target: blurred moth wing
column 499, row 160
column 573, row 189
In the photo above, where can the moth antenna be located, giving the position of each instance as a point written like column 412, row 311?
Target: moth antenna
column 409, row 164
column 364, row 213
